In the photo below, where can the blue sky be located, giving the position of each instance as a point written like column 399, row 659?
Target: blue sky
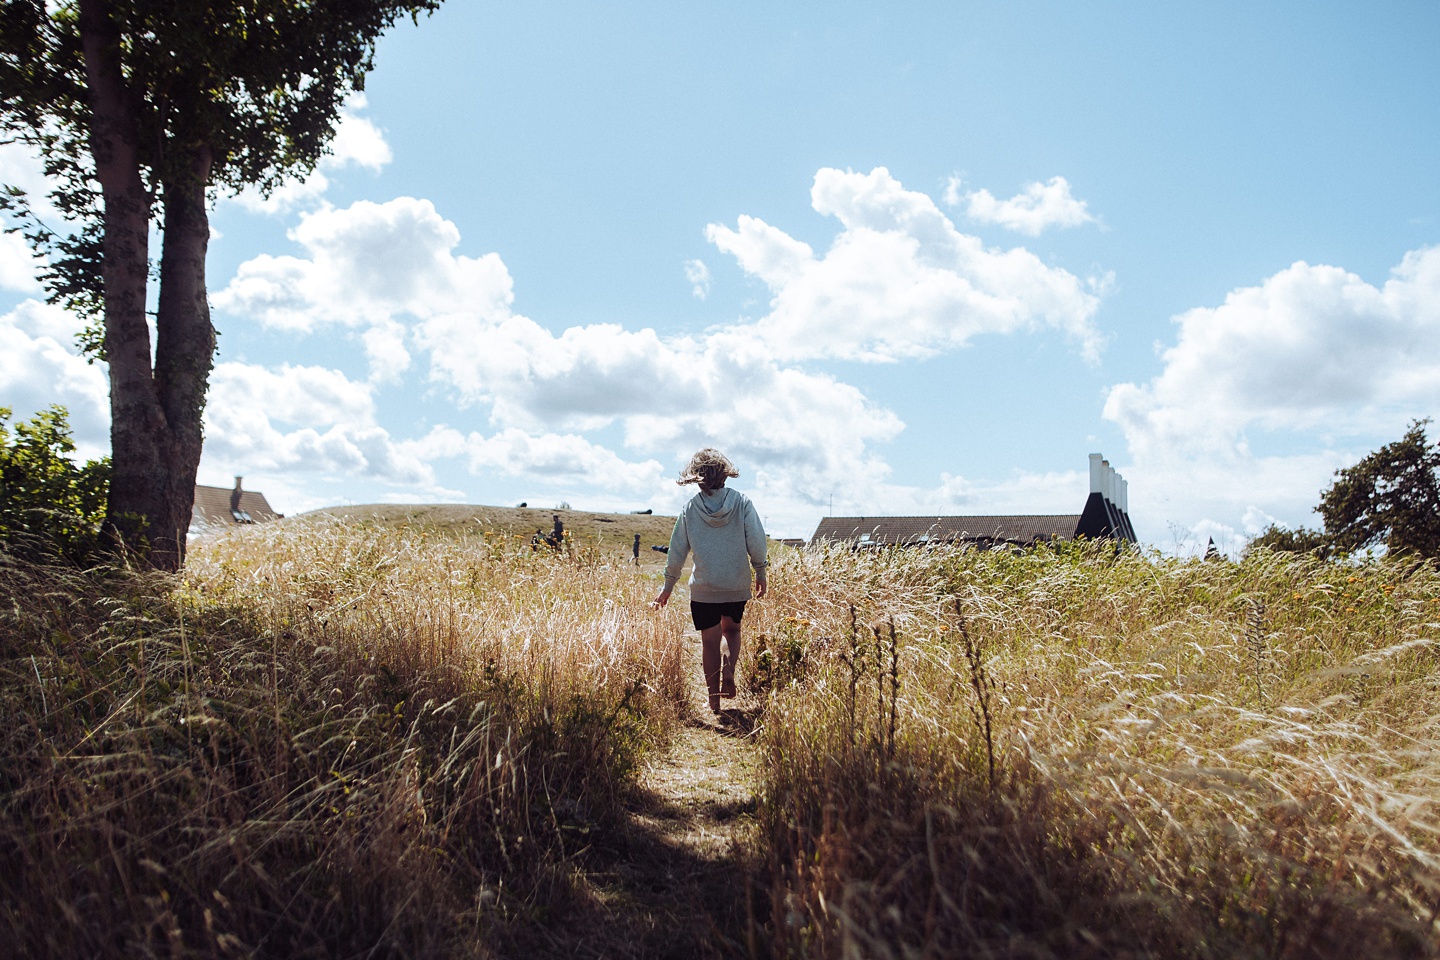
column 918, row 259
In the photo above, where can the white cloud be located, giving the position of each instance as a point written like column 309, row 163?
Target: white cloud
column 548, row 457
column 374, row 264
column 1036, row 208
column 39, row 366
column 1313, row 348
column 21, row 167
column 18, row 266
column 357, row 140
column 698, row 276
column 1262, row 398
column 899, row 281
column 367, row 266
column 332, row 419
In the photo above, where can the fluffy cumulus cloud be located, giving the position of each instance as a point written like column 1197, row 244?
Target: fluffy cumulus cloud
column 365, row 268
column 1260, row 399
column 39, row 366
column 1035, row 209
column 372, row 266
column 308, row 419
column 557, row 459
column 899, row 281
column 1313, row 348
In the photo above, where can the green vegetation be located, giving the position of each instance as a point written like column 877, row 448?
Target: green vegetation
column 1391, row 498
column 141, row 111
column 346, row 738
column 49, row 505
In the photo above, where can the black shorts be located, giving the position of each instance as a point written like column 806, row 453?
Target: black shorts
column 707, row 615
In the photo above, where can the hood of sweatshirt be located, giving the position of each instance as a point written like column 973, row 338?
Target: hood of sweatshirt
column 717, row 506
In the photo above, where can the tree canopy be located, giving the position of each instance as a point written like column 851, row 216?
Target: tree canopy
column 1391, row 498
column 140, row 110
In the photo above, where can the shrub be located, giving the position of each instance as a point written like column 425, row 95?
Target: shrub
column 49, row 505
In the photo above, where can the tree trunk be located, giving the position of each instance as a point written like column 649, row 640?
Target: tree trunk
column 185, row 345
column 155, row 428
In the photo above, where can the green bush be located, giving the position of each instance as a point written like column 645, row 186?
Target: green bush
column 49, row 504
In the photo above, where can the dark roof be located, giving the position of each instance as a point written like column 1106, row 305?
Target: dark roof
column 909, row 531
column 212, row 505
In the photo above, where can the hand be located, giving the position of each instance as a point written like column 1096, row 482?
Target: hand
column 661, row 600
column 760, row 586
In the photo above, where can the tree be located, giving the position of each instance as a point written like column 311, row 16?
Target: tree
column 48, row 504
column 1281, row 540
column 1391, row 496
column 141, row 110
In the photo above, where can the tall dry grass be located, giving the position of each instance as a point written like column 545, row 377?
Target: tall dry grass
column 328, row 739
column 1074, row 753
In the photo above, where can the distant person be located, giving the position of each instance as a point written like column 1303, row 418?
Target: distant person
column 721, row 527
column 535, row 540
column 557, row 536
column 636, row 549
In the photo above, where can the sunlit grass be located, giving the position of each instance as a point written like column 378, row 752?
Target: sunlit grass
column 353, row 738
column 1190, row 758
column 328, row 739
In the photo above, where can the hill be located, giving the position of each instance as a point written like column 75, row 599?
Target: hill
column 610, row 532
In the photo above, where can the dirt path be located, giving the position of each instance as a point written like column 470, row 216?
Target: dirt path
column 672, row 881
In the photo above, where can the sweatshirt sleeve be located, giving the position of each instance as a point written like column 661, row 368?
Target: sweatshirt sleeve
column 755, row 538
column 679, row 550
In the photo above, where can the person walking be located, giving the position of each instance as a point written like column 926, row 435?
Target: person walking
column 721, row 527
column 636, row 549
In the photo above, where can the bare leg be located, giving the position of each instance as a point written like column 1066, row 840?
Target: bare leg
column 710, row 662
column 730, row 630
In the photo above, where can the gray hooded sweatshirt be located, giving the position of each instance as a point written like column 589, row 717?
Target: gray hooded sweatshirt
column 723, row 530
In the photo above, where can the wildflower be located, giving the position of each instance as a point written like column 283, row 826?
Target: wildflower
column 1350, row 610
column 1299, row 596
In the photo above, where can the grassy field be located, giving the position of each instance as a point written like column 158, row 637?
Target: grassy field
column 329, row 738
column 410, row 735
column 612, row 534
column 1085, row 754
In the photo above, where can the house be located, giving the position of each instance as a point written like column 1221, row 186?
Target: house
column 1106, row 515
column 216, row 506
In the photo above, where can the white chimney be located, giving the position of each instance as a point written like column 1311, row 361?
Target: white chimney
column 1124, row 494
column 1097, row 473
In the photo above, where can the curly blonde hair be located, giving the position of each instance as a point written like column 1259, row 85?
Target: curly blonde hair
column 709, row 468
